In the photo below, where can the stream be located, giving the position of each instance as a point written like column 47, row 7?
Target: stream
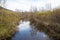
column 27, row 32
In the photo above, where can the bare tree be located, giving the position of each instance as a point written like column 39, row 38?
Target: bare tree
column 33, row 9
column 3, row 3
column 48, row 6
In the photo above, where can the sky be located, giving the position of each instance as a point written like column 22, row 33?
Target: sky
column 26, row 5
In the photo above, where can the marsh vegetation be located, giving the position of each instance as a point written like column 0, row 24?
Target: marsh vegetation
column 47, row 21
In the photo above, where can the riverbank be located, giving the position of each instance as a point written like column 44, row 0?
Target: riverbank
column 48, row 22
column 8, row 22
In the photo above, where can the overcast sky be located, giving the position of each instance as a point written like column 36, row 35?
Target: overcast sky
column 26, row 5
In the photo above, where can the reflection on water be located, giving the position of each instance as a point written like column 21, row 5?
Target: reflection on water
column 27, row 32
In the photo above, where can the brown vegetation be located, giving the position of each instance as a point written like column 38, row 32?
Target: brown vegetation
column 8, row 22
column 48, row 22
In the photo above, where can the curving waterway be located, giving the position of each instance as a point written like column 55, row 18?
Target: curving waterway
column 27, row 32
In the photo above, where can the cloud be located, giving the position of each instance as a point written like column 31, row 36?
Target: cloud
column 26, row 4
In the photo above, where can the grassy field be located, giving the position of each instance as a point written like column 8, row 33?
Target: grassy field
column 8, row 22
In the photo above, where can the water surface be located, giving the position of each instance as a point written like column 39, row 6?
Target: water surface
column 27, row 32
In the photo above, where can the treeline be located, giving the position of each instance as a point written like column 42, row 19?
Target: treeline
column 8, row 22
